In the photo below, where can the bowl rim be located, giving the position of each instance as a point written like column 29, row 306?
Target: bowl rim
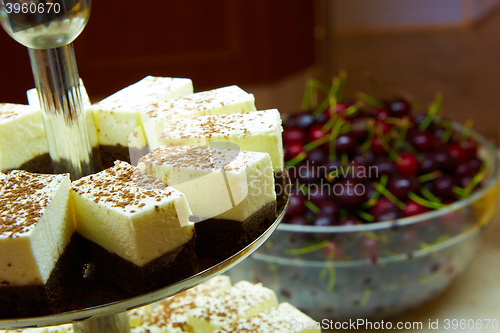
column 401, row 222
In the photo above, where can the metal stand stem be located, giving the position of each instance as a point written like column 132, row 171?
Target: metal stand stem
column 116, row 323
column 57, row 83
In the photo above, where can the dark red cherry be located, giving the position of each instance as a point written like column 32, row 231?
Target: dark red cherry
column 296, row 206
column 422, row 140
column 383, row 167
column 444, row 159
column 399, row 107
column 292, row 150
column 470, row 147
column 457, row 153
column 377, row 147
column 443, row 187
column 349, row 221
column 407, row 164
column 323, row 220
column 359, row 129
column 475, row 164
column 412, row 208
column 400, row 186
column 330, row 208
column 345, row 144
column 293, row 135
column 356, row 172
column 307, row 173
column 464, row 170
column 382, row 127
column 389, row 214
column 316, row 132
column 304, row 120
column 382, row 204
column 317, row 156
column 427, row 164
column 349, row 195
column 297, row 220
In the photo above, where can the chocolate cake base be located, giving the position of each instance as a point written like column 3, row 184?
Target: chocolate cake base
column 162, row 271
column 43, row 164
column 220, row 238
column 52, row 297
column 281, row 187
column 110, row 154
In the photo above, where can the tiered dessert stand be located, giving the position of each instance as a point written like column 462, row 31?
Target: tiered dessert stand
column 47, row 28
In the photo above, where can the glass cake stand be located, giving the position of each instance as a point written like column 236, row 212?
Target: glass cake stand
column 111, row 317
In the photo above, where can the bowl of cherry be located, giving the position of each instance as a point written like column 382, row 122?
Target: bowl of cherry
column 386, row 209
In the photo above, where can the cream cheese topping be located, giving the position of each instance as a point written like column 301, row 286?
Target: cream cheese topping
column 171, row 314
column 231, row 99
column 35, row 226
column 131, row 214
column 284, row 318
column 242, row 300
column 221, row 183
column 258, row 131
column 117, row 116
column 20, row 123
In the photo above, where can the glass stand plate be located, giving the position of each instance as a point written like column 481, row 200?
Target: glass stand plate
column 110, row 317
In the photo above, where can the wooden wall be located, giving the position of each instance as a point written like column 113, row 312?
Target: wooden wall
column 215, row 43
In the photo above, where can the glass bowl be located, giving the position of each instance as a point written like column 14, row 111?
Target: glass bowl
column 375, row 270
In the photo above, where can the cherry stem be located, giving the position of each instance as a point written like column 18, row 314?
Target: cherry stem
column 386, row 193
column 307, row 249
column 434, row 109
column 425, row 203
column 370, row 100
column 467, row 129
column 309, row 204
column 296, row 160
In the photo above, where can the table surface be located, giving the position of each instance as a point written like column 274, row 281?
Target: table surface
column 473, row 295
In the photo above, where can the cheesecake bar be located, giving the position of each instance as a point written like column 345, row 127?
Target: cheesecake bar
column 230, row 192
column 136, row 228
column 243, row 300
column 284, row 318
column 23, row 124
column 36, row 229
column 117, row 116
column 89, row 121
column 224, row 100
column 258, row 131
column 171, row 314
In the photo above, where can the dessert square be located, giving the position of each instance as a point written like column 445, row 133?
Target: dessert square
column 23, row 123
column 258, row 131
column 243, row 300
column 230, row 192
column 224, row 100
column 171, row 314
column 136, row 228
column 117, row 116
column 36, row 229
column 284, row 318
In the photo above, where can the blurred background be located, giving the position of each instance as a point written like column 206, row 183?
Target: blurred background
column 270, row 48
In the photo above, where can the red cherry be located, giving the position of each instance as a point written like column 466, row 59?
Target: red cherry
column 412, row 208
column 292, row 150
column 293, row 135
column 470, row 147
column 377, row 147
column 316, row 132
column 296, row 205
column 407, row 164
column 457, row 153
column 383, row 127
